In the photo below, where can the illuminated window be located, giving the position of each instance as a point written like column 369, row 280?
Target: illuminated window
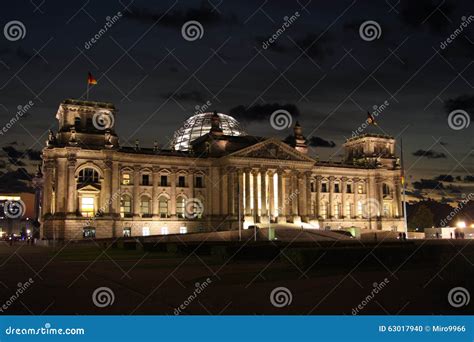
column 88, row 176
column 126, row 179
column 145, row 206
column 163, row 207
column 127, row 232
column 360, row 208
column 164, row 230
column 386, row 210
column 360, row 188
column 180, row 203
column 87, row 206
column 125, row 206
column 183, row 230
column 146, row 231
column 88, row 232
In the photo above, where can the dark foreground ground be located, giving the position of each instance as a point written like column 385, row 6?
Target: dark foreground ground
column 323, row 278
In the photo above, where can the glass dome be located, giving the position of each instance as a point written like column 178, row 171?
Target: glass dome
column 199, row 125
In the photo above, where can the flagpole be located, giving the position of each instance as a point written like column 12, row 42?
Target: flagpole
column 403, row 188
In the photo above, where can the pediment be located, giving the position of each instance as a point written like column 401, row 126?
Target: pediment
column 88, row 188
column 272, row 149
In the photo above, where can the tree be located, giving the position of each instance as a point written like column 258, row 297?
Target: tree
column 421, row 218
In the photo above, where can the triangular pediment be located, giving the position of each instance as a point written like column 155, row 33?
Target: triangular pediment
column 88, row 188
column 272, row 149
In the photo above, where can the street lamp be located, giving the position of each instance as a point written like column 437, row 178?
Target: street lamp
column 461, row 224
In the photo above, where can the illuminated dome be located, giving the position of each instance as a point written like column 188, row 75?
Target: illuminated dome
column 199, row 125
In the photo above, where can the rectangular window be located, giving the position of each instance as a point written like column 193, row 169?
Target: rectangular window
column 198, row 182
column 164, row 181
column 181, row 181
column 145, row 207
column 324, row 187
column 349, row 188
column 163, row 204
column 145, row 179
column 126, row 179
column 87, row 206
column 336, row 187
column 183, row 230
column 360, row 189
column 127, row 232
column 146, row 231
column 164, row 230
column 312, row 187
column 88, row 232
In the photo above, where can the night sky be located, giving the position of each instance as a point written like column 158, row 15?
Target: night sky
column 320, row 69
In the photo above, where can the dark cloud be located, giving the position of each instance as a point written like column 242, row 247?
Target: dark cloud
column 262, row 112
column 12, row 152
column 444, row 178
column 433, row 13
column 15, row 181
column 33, row 154
column 430, row 154
column 192, row 96
column 464, row 102
column 442, row 143
column 204, row 14
column 469, row 178
column 316, row 46
column 320, row 142
column 429, row 184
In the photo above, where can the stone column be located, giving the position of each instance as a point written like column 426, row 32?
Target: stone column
column 248, row 211
column 107, row 189
column 61, row 184
column 136, row 191
column 71, row 184
column 191, row 182
column 263, row 191
column 355, row 182
column 397, row 196
column 48, row 169
column 301, row 182
column 309, row 195
column 343, row 198
column 231, row 191
column 317, row 208
column 271, row 195
column 331, row 195
column 155, row 193
column 116, row 190
column 281, row 202
column 173, row 193
column 255, row 194
column 240, row 193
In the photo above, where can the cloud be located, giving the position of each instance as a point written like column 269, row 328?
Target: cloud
column 191, row 96
column 426, row 12
column 33, row 154
column 428, row 184
column 430, row 154
column 320, row 142
column 444, row 178
column 16, row 181
column 469, row 179
column 12, row 152
column 464, row 102
column 204, row 14
column 262, row 112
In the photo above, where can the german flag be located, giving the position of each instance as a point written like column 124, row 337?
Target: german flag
column 371, row 119
column 90, row 79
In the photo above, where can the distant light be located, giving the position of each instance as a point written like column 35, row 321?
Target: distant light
column 28, row 231
column 472, row 225
column 461, row 224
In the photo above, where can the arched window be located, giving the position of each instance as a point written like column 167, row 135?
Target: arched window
column 180, row 204
column 385, row 189
column 77, row 123
column 88, row 176
column 163, row 207
column 145, row 206
column 126, row 206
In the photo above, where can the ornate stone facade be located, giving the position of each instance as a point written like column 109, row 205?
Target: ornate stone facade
column 94, row 187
